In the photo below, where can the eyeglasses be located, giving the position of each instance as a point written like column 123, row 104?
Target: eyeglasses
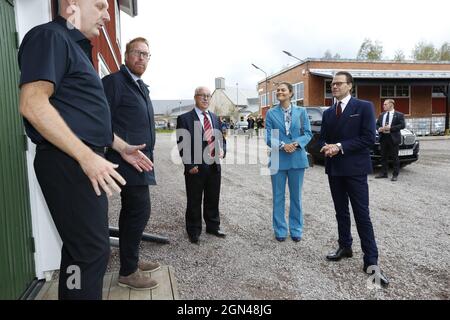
column 137, row 53
column 337, row 84
column 204, row 96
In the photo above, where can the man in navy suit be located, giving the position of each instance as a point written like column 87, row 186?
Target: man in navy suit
column 347, row 134
column 133, row 121
column 201, row 145
column 389, row 125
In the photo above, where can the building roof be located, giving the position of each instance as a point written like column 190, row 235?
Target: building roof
column 240, row 97
column 168, row 106
column 385, row 74
column 407, row 62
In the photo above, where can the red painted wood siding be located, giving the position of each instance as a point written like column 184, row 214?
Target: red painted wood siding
column 101, row 43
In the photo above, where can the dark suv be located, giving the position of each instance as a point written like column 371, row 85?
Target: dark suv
column 409, row 146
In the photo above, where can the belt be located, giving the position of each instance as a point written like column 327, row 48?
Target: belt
column 49, row 146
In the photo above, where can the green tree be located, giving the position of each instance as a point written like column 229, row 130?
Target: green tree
column 425, row 51
column 444, row 52
column 399, row 56
column 328, row 55
column 370, row 50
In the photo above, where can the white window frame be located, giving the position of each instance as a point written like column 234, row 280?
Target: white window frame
column 103, row 69
column 118, row 24
column 263, row 100
column 296, row 97
column 395, row 95
column 274, row 98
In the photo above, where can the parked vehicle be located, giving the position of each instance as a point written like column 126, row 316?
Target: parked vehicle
column 409, row 147
column 241, row 126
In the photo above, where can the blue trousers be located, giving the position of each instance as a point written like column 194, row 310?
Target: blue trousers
column 295, row 183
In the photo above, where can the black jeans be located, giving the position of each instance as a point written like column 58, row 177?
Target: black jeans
column 133, row 218
column 81, row 218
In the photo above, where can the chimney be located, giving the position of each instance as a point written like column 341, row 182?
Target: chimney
column 220, row 83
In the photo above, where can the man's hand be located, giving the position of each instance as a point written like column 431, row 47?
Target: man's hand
column 134, row 156
column 102, row 173
column 330, row 150
column 387, row 129
column 194, row 170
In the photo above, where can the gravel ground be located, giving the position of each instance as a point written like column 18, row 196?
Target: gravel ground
column 410, row 218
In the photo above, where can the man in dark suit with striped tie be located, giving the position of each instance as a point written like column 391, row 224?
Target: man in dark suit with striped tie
column 201, row 146
column 346, row 137
column 389, row 125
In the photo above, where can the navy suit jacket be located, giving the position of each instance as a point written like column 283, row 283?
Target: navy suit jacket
column 355, row 130
column 191, row 141
column 132, row 120
column 397, row 124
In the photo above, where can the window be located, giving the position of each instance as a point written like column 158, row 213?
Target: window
column 388, row 91
column 118, row 35
column 274, row 98
column 402, row 91
column 299, row 91
column 329, row 92
column 103, row 69
column 439, row 91
column 392, row 91
column 263, row 100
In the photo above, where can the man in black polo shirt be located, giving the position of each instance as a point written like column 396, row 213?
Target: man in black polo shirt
column 67, row 115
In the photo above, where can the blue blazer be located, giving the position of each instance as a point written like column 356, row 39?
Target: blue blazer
column 133, row 120
column 191, row 157
column 276, row 133
column 355, row 130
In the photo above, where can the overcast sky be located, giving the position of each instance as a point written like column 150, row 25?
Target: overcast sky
column 194, row 41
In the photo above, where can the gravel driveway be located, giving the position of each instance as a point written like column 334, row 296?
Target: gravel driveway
column 410, row 217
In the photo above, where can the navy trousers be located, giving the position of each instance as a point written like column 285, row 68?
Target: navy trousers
column 133, row 219
column 355, row 189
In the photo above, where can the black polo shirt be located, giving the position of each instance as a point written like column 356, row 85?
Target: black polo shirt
column 61, row 55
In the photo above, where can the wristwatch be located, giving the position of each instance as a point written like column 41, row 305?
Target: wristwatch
column 339, row 145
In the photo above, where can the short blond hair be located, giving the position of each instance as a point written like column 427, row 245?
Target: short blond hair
column 391, row 101
column 139, row 39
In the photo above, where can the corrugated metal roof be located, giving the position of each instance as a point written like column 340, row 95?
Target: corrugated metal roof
column 243, row 95
column 167, row 106
column 385, row 74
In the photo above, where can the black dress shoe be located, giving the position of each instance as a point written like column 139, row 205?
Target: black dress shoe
column 216, row 233
column 340, row 253
column 379, row 277
column 193, row 239
column 394, row 178
column 381, row 176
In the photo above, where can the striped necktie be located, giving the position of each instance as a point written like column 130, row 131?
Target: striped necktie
column 208, row 133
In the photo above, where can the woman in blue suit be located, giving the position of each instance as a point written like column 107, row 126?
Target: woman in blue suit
column 287, row 133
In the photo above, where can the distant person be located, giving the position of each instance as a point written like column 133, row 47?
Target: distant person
column 250, row 125
column 287, row 133
column 200, row 143
column 67, row 116
column 259, row 124
column 389, row 124
column 134, row 121
column 346, row 137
